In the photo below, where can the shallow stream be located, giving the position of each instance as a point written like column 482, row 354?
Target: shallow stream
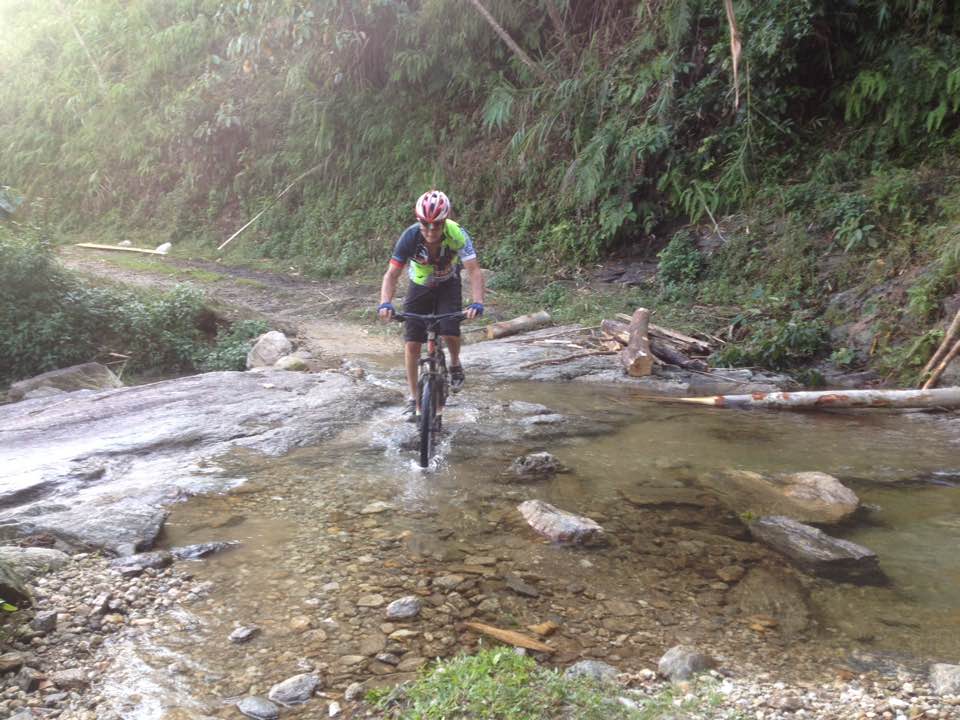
column 318, row 560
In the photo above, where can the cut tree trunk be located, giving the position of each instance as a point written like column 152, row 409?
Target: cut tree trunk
column 517, row 325
column 636, row 357
column 663, row 346
column 942, row 398
column 944, row 346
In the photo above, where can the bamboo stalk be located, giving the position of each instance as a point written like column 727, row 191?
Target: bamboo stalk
column 119, row 248
column 944, row 344
column 935, row 376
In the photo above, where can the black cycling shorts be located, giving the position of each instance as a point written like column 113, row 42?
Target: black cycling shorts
column 446, row 297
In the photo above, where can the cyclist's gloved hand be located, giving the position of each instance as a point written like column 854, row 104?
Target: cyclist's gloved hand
column 477, row 309
column 386, row 310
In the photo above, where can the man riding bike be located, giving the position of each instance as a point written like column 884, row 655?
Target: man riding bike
column 434, row 248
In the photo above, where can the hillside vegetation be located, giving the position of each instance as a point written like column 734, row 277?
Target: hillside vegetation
column 564, row 131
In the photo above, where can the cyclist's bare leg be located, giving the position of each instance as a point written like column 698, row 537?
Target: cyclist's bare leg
column 411, row 357
column 453, row 345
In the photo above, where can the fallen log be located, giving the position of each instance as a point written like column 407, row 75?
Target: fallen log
column 636, row 357
column 97, row 246
column 817, row 400
column 510, row 637
column 519, row 324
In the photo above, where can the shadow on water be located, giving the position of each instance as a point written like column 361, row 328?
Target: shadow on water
column 329, row 534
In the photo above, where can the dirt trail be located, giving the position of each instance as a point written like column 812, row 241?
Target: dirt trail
column 314, row 312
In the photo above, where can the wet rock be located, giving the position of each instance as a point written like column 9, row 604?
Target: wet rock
column 258, row 708
column 295, row 690
column 91, row 376
column 809, row 497
column 291, row 363
column 353, row 692
column 377, row 506
column 405, row 608
column 535, row 465
column 765, row 594
column 243, row 634
column 300, row 623
column 519, row 407
column 817, row 553
column 12, row 587
column 559, row 525
column 269, row 347
column 447, row 583
column 548, row 419
column 388, row 659
column 136, row 564
column 11, row 662
column 731, row 573
column 682, row 663
column 409, row 664
column 520, row 587
column 333, row 709
column 44, row 622
column 594, row 669
column 29, row 562
column 945, row 679
column 73, row 679
column 141, row 447
column 371, row 601
column 201, row 550
column 28, row 679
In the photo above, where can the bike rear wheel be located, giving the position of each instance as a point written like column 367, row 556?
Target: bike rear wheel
column 427, row 422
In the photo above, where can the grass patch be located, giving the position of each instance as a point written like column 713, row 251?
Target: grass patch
column 498, row 684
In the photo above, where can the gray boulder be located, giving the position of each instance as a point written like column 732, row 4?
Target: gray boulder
column 258, row 708
column 13, row 590
column 559, row 525
column 776, row 595
column 89, row 376
column 812, row 497
column 594, row 669
column 682, row 663
column 817, row 553
column 404, row 609
column 295, row 690
column 535, row 465
column 201, row 550
column 270, row 347
column 135, row 564
column 29, row 562
column 292, row 363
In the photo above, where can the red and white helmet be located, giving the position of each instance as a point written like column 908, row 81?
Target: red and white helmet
column 433, row 206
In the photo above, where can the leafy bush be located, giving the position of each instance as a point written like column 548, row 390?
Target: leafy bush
column 52, row 320
column 233, row 344
column 776, row 345
column 680, row 261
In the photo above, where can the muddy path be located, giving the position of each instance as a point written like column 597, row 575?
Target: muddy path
column 314, row 312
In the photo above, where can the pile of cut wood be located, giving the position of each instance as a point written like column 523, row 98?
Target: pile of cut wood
column 640, row 344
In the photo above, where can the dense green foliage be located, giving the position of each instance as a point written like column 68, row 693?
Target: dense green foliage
column 51, row 319
column 498, row 684
column 190, row 115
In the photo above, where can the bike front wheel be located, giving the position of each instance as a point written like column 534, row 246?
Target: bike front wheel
column 427, row 421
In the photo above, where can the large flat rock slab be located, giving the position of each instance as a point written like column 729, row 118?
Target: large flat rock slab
column 97, row 469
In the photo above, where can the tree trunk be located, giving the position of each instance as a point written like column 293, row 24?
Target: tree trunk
column 944, row 398
column 517, row 50
column 636, row 357
column 660, row 346
column 520, row 324
column 510, row 637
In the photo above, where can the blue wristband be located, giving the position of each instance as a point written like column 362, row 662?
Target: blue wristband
column 476, row 306
column 386, row 306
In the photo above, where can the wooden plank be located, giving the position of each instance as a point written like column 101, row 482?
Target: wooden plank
column 96, row 246
column 510, row 637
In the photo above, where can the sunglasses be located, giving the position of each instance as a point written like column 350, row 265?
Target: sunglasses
column 432, row 226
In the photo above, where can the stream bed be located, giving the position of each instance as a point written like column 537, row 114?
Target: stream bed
column 329, row 535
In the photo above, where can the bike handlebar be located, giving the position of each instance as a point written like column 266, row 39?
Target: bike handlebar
column 401, row 316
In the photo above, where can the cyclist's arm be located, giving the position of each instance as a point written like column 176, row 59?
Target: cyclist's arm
column 390, row 279
column 477, row 289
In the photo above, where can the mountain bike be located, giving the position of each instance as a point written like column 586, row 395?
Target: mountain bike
column 433, row 382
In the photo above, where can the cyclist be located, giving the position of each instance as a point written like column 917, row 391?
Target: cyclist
column 434, row 248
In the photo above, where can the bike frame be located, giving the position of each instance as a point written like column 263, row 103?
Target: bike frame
column 433, row 382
